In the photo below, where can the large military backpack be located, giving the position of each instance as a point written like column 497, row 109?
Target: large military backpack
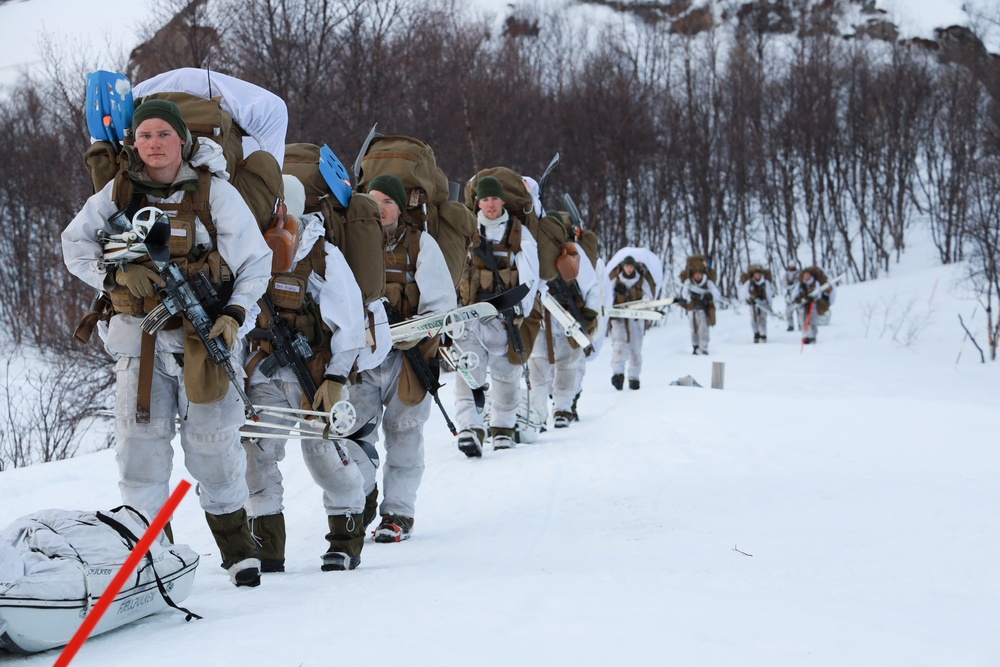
column 591, row 245
column 257, row 177
column 698, row 263
column 754, row 268
column 428, row 206
column 641, row 269
column 355, row 229
column 549, row 232
column 816, row 273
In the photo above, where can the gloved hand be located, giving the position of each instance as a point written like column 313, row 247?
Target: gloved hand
column 327, row 395
column 139, row 280
column 406, row 344
column 620, row 289
column 589, row 321
column 225, row 327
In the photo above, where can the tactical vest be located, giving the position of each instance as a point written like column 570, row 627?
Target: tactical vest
column 194, row 205
column 401, row 289
column 477, row 282
column 758, row 291
column 633, row 293
column 289, row 292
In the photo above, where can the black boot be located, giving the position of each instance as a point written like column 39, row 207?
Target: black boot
column 618, row 381
column 236, row 545
column 269, row 531
column 633, row 384
column 346, row 538
column 576, row 398
column 371, row 507
column 756, row 338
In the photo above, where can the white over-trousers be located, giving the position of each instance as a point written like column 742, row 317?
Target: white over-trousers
column 209, row 436
column 699, row 328
column 489, row 342
column 559, row 380
column 626, row 347
column 758, row 321
column 377, row 394
column 341, row 485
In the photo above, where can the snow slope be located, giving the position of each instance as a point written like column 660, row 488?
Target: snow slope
column 105, row 31
column 833, row 505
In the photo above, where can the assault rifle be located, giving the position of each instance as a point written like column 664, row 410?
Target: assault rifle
column 294, row 351
column 190, row 296
column 485, row 251
column 422, row 368
column 288, row 349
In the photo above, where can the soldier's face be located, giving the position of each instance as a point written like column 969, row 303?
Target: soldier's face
column 492, row 207
column 158, row 144
column 389, row 208
column 629, row 269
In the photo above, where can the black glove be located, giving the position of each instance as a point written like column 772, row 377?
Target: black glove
column 681, row 301
column 620, row 289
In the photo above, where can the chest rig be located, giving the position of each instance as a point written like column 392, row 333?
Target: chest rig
column 478, row 282
column 633, row 293
column 289, row 293
column 401, row 289
column 758, row 291
column 183, row 251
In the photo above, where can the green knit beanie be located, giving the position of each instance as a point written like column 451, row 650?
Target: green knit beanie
column 391, row 186
column 164, row 110
column 489, row 187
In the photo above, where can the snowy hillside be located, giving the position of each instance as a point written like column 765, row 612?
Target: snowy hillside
column 833, row 505
column 79, row 32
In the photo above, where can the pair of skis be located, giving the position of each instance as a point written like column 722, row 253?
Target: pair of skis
column 638, row 310
column 452, row 322
column 569, row 323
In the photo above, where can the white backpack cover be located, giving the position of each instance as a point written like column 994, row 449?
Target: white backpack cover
column 55, row 564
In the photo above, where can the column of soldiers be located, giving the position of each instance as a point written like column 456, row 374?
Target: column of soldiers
column 299, row 279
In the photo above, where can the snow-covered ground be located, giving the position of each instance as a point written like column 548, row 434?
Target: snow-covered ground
column 832, row 505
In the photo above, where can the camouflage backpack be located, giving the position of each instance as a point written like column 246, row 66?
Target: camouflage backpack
column 698, row 263
column 257, row 177
column 355, row 229
column 549, row 232
column 754, row 268
column 428, row 206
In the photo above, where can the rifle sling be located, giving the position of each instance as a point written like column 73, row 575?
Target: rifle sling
column 147, row 357
column 548, row 336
